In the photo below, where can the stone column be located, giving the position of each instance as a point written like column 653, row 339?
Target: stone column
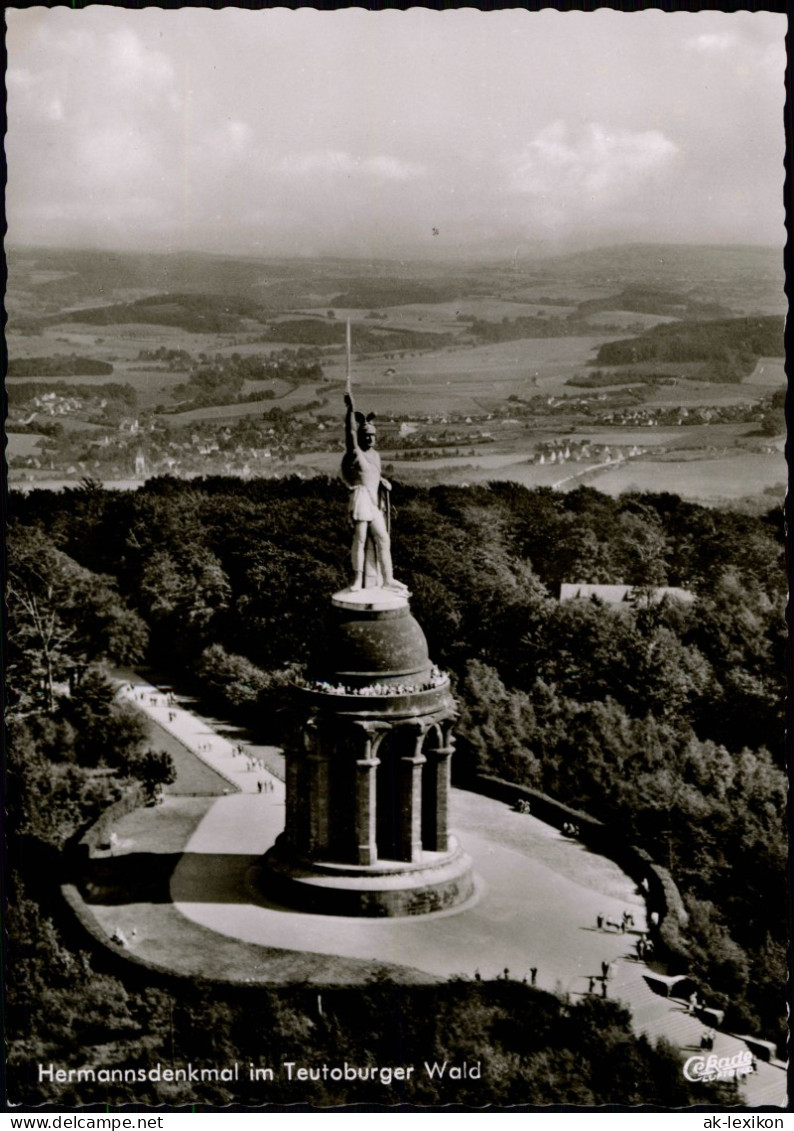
column 292, row 786
column 364, row 821
column 318, row 791
column 298, row 793
column 439, row 767
column 410, row 832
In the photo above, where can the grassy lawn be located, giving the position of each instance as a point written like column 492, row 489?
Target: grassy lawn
column 194, row 778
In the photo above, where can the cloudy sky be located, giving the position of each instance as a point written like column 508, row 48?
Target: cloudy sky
column 358, row 133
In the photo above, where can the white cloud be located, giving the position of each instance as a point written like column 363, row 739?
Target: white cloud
column 713, row 43
column 112, row 156
column 18, row 78
column 742, row 53
column 335, row 161
column 132, row 65
column 239, row 135
column 391, row 169
column 599, row 166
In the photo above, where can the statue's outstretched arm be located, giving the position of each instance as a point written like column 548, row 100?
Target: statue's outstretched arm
column 351, row 442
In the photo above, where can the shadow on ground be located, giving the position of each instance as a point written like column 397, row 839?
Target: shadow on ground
column 175, row 877
column 152, row 877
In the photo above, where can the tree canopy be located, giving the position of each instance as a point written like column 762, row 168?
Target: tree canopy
column 664, row 718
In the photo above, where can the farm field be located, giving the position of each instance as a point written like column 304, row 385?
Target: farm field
column 46, row 481
column 222, row 411
column 626, row 318
column 490, row 367
column 152, row 386
column 642, row 437
column 124, row 340
column 276, row 384
column 692, row 394
column 704, row 480
column 415, row 402
column 527, row 474
column 23, row 444
column 769, row 373
column 75, row 425
column 489, row 461
column 694, row 436
column 444, row 315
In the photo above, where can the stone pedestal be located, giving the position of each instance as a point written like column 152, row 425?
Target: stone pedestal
column 368, row 778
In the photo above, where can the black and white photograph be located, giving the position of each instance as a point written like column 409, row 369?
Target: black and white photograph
column 395, row 638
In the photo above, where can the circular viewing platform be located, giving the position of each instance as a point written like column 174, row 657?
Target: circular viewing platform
column 399, row 701
column 370, row 600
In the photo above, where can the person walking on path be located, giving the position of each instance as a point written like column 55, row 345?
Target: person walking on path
column 600, row 922
column 533, row 974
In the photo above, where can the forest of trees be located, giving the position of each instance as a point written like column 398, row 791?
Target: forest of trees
column 653, row 300
column 221, row 379
column 528, row 326
column 317, row 332
column 61, row 365
column 197, row 313
column 664, row 719
column 24, row 394
column 727, row 349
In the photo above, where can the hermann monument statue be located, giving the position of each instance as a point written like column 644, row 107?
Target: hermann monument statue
column 369, row 504
column 368, row 768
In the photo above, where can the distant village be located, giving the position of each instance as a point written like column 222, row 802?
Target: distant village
column 98, row 433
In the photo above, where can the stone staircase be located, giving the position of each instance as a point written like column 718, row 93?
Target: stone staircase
column 658, row 1016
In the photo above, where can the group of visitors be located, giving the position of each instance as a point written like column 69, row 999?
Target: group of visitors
column 626, row 921
column 154, row 698
column 601, row 979
column 436, row 679
column 505, row 976
column 644, row 947
column 707, row 1040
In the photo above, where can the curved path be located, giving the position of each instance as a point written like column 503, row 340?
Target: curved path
column 539, row 894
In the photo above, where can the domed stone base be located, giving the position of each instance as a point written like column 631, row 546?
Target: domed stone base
column 388, row 889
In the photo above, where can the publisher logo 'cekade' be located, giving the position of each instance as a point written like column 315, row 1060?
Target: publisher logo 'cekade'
column 700, row 1069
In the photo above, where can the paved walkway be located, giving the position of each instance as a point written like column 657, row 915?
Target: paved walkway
column 539, row 894
column 242, row 764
